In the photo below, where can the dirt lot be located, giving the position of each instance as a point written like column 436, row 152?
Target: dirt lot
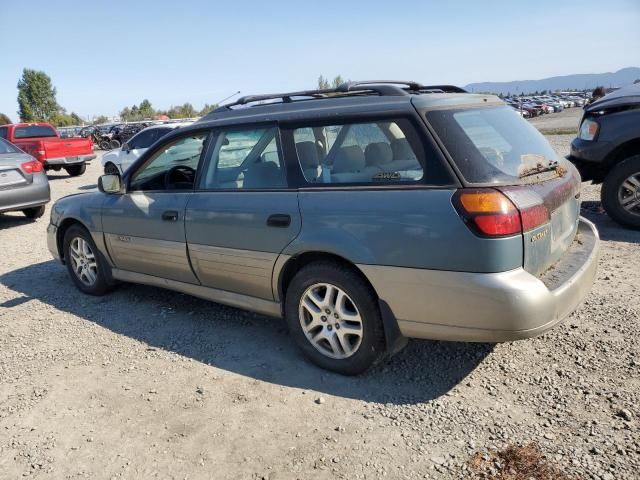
column 146, row 383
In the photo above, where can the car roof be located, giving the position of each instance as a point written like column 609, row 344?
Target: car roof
column 364, row 101
column 168, row 125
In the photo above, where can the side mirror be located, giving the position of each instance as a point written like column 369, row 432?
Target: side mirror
column 110, row 184
column 125, row 147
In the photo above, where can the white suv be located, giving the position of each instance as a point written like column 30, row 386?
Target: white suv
column 118, row 160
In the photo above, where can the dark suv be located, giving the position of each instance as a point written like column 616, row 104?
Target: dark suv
column 607, row 151
column 363, row 214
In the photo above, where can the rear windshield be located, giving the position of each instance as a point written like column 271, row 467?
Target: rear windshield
column 6, row 147
column 34, row 131
column 492, row 144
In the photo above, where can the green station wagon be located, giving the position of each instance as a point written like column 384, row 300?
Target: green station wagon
column 363, row 215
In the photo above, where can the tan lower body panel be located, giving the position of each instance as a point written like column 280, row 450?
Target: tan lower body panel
column 232, row 299
column 159, row 258
column 242, row 271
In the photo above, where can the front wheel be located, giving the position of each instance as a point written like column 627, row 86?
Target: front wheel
column 620, row 193
column 75, row 170
column 34, row 212
column 88, row 269
column 333, row 316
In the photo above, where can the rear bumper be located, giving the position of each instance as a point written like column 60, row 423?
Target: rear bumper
column 61, row 161
column 32, row 195
column 488, row 307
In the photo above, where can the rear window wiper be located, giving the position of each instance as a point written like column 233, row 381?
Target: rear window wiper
column 540, row 168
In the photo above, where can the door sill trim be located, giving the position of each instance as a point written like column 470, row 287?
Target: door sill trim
column 244, row 302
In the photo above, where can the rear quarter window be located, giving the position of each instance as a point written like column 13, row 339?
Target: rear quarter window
column 491, row 144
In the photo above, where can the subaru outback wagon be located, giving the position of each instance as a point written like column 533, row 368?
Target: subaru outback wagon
column 364, row 215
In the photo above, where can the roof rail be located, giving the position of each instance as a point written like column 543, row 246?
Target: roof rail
column 365, row 87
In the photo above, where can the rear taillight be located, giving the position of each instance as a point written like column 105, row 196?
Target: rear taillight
column 32, row 167
column 490, row 213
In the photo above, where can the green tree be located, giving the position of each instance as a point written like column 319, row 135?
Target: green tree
column 100, row 119
column 4, row 119
column 36, row 96
column 207, row 108
column 325, row 83
column 145, row 110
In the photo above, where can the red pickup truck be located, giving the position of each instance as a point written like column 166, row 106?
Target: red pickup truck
column 42, row 141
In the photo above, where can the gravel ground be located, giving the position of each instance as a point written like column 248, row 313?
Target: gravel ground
column 146, row 383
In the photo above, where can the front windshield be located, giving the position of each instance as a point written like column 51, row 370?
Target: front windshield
column 492, row 144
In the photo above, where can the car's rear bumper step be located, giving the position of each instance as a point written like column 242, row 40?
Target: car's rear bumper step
column 488, row 307
column 61, row 161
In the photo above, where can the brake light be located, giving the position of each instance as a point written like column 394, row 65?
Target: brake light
column 488, row 212
column 32, row 167
column 491, row 213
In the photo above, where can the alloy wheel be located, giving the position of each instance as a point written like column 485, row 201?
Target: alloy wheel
column 83, row 261
column 629, row 194
column 330, row 320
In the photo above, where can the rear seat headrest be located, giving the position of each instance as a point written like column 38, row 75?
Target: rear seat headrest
column 308, row 154
column 378, row 153
column 402, row 150
column 348, row 159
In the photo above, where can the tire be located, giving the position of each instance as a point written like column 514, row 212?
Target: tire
column 622, row 185
column 75, row 170
column 104, row 145
column 111, row 169
column 361, row 352
column 100, row 282
column 34, row 212
column 113, row 144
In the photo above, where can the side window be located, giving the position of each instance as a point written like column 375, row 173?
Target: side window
column 141, row 140
column 146, row 138
column 172, row 167
column 388, row 151
column 245, row 159
column 3, row 132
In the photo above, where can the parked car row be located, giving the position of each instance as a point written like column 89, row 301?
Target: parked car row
column 533, row 106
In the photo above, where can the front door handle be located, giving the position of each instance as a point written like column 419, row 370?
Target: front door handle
column 279, row 220
column 170, row 216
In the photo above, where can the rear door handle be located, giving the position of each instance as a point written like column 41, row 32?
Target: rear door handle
column 279, row 220
column 170, row 216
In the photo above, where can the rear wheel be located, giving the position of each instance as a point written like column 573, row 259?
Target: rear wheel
column 75, row 170
column 88, row 269
column 104, row 145
column 34, row 212
column 111, row 169
column 113, row 144
column 334, row 318
column 620, row 192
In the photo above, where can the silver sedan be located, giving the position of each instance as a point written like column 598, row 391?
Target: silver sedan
column 23, row 182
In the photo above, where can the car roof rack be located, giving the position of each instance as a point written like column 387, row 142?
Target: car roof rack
column 364, row 87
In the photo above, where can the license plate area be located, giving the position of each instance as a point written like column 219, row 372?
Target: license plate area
column 71, row 159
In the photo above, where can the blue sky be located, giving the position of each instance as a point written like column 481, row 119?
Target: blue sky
column 103, row 56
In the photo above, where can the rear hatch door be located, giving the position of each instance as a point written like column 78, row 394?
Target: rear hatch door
column 493, row 147
column 560, row 196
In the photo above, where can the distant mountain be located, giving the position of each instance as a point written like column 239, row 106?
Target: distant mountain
column 582, row 81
